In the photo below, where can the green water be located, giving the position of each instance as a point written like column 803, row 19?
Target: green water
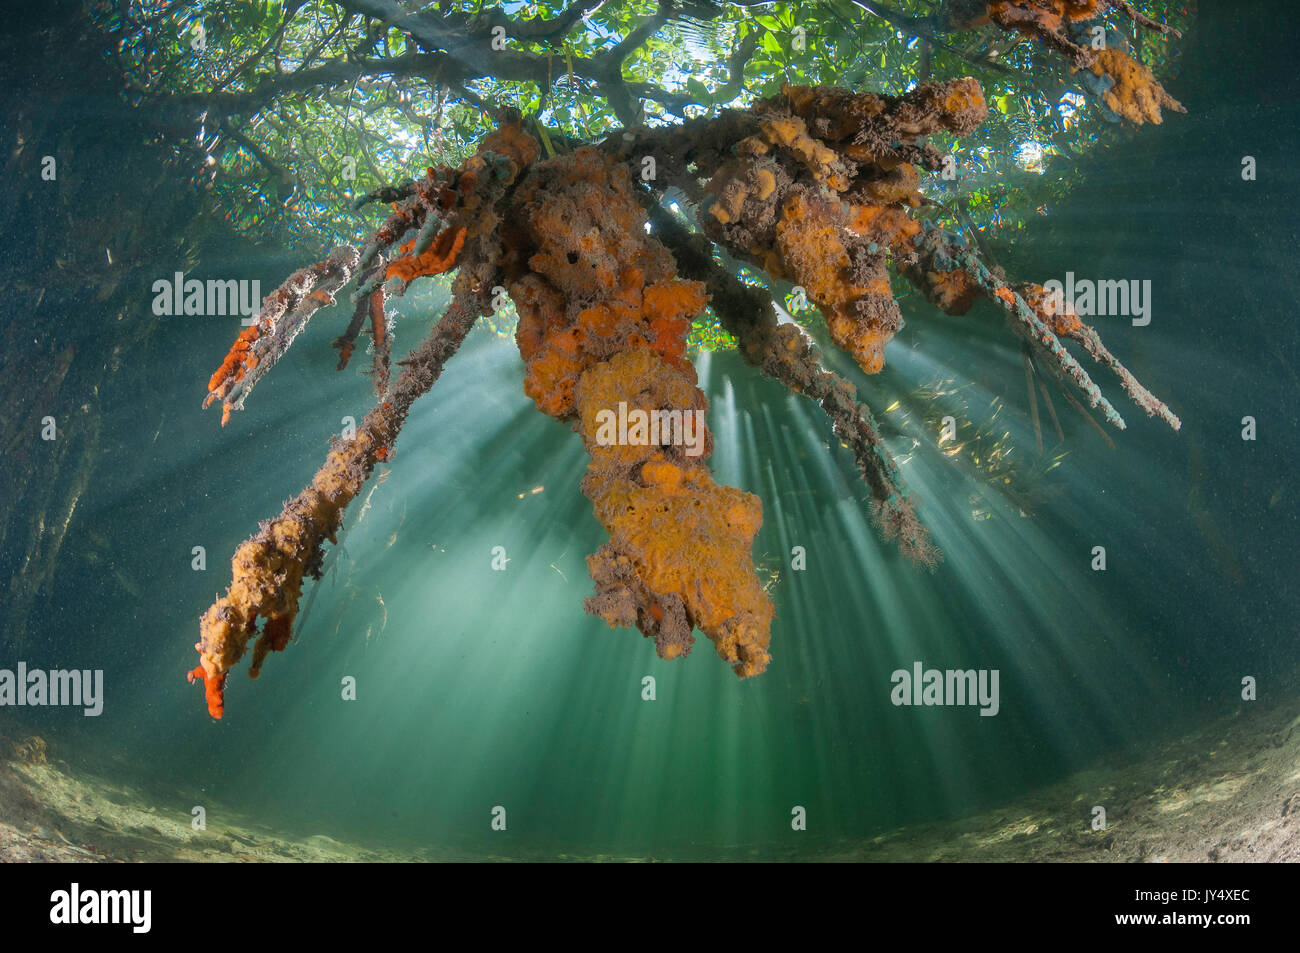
column 478, row 688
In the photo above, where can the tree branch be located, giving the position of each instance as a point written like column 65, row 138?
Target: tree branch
column 614, row 57
column 539, row 29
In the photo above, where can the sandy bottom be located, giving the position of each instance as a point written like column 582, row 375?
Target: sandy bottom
column 1228, row 792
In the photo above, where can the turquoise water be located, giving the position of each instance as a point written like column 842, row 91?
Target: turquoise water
column 479, row 689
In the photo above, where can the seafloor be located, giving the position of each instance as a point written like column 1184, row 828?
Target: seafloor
column 1229, row 791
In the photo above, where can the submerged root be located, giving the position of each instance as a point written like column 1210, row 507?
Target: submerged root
column 268, row 569
column 818, row 186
